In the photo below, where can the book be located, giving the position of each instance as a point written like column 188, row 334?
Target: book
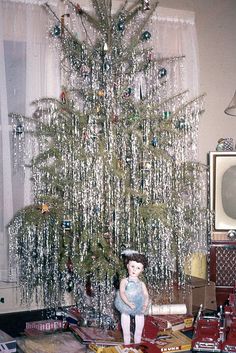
column 175, row 322
column 154, row 324
column 7, row 343
column 144, row 347
column 173, row 341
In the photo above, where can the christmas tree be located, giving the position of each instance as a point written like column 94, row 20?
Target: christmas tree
column 116, row 164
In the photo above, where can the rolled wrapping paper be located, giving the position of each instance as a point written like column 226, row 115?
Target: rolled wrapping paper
column 167, row 309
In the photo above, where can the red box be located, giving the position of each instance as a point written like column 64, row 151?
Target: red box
column 155, row 324
column 45, row 325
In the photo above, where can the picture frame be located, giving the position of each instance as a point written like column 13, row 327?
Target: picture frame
column 223, row 190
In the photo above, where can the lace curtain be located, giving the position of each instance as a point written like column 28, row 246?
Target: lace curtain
column 29, row 69
column 175, row 35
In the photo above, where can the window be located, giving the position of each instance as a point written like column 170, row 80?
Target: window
column 28, row 70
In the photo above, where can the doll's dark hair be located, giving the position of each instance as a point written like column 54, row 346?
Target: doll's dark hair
column 136, row 257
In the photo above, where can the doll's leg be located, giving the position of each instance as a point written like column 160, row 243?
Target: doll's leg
column 125, row 324
column 139, row 323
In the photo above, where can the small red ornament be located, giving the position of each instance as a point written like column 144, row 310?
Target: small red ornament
column 115, row 119
column 78, row 9
column 88, row 287
column 63, row 97
column 128, row 92
column 69, row 265
column 150, row 56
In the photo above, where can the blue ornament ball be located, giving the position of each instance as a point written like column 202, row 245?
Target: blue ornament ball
column 19, row 129
column 146, row 35
column 154, row 141
column 66, row 224
column 162, row 72
column 180, row 124
column 166, row 115
column 56, row 31
column 107, row 65
column 121, row 25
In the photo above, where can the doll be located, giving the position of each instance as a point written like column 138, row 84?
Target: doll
column 132, row 297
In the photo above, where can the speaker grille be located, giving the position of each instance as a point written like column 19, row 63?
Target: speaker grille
column 225, row 266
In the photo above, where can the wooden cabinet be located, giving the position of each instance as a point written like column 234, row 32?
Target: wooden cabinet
column 222, row 201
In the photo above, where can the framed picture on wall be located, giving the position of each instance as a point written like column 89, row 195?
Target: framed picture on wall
column 223, row 189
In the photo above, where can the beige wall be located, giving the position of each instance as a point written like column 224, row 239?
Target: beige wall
column 216, row 31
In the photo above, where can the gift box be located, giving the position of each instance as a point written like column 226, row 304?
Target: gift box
column 198, row 291
column 45, row 325
column 173, row 342
column 155, row 324
column 203, row 293
column 7, row 343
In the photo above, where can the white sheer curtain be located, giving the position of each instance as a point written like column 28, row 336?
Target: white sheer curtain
column 29, row 70
column 174, row 34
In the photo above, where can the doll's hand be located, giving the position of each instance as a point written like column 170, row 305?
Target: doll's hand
column 132, row 305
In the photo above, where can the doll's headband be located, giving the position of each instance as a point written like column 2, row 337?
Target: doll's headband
column 133, row 255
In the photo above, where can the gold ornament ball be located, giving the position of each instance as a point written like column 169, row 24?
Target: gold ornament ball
column 101, row 93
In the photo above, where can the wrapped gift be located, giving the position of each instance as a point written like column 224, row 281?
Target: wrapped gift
column 45, row 325
column 155, row 324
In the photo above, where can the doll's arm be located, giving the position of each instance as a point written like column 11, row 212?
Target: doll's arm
column 146, row 297
column 123, row 296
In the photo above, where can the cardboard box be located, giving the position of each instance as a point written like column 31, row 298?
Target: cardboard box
column 196, row 292
column 205, row 294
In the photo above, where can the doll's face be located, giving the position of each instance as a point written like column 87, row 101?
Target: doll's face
column 134, row 268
